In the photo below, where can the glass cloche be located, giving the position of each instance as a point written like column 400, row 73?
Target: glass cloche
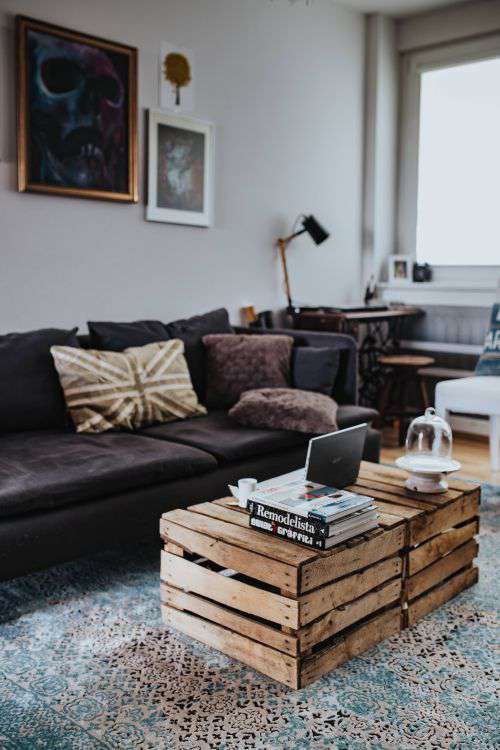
column 428, row 453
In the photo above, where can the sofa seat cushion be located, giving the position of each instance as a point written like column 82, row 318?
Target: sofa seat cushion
column 350, row 415
column 224, row 438
column 49, row 468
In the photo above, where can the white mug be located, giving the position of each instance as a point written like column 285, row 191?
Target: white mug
column 245, row 488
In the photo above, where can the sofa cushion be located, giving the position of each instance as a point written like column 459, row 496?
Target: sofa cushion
column 239, row 362
column 350, row 415
column 315, row 368
column 30, row 395
column 126, row 390
column 224, row 438
column 286, row 409
column 115, row 337
column 191, row 332
column 51, row 468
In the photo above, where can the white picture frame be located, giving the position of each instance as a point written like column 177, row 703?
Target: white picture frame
column 180, row 169
column 400, row 269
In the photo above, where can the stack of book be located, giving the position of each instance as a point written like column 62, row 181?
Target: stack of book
column 311, row 514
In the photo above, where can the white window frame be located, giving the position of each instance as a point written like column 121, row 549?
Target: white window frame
column 413, row 64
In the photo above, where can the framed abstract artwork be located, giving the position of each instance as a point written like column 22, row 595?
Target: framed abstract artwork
column 180, row 169
column 77, row 113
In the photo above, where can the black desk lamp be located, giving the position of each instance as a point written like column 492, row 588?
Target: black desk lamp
column 318, row 235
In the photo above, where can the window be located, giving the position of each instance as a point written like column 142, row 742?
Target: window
column 458, row 194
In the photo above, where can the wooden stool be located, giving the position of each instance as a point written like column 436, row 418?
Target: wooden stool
column 402, row 374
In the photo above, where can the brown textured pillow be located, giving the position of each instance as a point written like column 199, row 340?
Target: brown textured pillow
column 126, row 390
column 241, row 362
column 286, row 409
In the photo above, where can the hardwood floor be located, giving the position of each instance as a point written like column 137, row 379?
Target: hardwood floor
column 472, row 452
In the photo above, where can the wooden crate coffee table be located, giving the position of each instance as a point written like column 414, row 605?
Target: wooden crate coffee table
column 295, row 613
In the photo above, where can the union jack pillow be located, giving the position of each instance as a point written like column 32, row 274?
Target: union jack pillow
column 126, row 390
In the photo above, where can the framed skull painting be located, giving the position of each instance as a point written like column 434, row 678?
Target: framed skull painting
column 77, row 113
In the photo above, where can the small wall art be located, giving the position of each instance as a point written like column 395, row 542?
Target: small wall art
column 176, row 73
column 180, row 169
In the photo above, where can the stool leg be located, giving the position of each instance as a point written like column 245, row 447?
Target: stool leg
column 403, row 401
column 495, row 442
column 423, row 392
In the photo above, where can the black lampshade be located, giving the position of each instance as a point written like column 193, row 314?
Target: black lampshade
column 318, row 234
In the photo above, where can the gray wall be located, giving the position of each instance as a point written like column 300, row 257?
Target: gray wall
column 283, row 83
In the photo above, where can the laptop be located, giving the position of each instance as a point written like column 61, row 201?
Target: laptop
column 332, row 459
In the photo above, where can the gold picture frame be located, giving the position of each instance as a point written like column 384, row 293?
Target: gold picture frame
column 76, row 113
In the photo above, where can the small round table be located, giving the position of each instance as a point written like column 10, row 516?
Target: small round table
column 402, row 372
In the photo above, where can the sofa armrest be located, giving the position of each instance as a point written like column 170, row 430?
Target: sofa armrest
column 345, row 388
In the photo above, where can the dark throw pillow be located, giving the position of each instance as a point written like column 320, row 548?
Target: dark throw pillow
column 191, row 332
column 241, row 362
column 30, row 394
column 315, row 368
column 489, row 361
column 115, row 337
column 286, row 409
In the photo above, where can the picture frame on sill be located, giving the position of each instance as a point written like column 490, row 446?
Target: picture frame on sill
column 180, row 169
column 77, row 113
column 400, row 269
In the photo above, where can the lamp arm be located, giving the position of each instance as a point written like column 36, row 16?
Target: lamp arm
column 282, row 243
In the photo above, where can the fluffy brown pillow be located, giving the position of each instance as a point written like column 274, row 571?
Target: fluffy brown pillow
column 241, row 362
column 286, row 409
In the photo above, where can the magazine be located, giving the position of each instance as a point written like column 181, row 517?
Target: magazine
column 311, row 500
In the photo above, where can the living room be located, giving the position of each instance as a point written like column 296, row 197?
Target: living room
column 240, row 239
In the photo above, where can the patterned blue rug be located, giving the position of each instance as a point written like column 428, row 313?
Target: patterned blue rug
column 86, row 664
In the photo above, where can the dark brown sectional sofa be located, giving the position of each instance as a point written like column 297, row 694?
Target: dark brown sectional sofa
column 64, row 494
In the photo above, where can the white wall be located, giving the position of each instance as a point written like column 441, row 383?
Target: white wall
column 283, row 82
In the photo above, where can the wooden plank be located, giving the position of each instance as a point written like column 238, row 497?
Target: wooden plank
column 441, row 594
column 396, row 494
column 279, row 574
column 441, row 569
column 401, row 511
column 423, row 528
column 350, row 559
column 229, row 619
column 380, row 471
column 397, row 487
column 267, row 660
column 347, row 614
column 333, row 595
column 243, row 537
column 181, row 573
column 388, row 521
column 357, row 641
column 439, row 546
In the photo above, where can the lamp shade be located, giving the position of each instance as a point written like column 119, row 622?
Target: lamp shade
column 314, row 229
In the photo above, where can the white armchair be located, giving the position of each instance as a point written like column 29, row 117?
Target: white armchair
column 477, row 395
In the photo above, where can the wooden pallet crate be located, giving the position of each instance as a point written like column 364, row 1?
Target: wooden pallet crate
column 440, row 546
column 294, row 613
column 291, row 612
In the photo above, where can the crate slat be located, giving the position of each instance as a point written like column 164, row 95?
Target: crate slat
column 439, row 546
column 333, row 595
column 348, row 614
column 356, row 642
column 441, row 569
column 441, row 594
column 336, row 565
column 189, row 576
column 240, row 536
column 462, row 509
column 230, row 619
column 279, row 574
column 267, row 660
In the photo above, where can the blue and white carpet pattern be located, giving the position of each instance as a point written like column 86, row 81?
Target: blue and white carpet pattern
column 86, row 664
